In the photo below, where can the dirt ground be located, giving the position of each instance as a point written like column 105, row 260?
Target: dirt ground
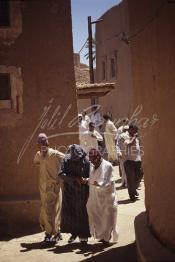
column 29, row 247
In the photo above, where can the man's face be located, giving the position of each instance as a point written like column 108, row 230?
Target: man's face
column 105, row 120
column 95, row 159
column 132, row 131
column 43, row 148
column 91, row 128
column 125, row 130
column 79, row 119
column 74, row 156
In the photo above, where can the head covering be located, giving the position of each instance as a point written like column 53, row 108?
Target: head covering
column 42, row 139
column 125, row 127
column 133, row 126
column 76, row 151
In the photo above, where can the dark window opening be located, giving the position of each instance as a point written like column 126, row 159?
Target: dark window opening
column 5, row 93
column 113, row 70
column 103, row 70
column 116, row 63
column 4, row 13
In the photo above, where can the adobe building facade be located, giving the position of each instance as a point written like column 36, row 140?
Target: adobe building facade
column 137, row 39
column 152, row 41
column 113, row 61
column 37, row 94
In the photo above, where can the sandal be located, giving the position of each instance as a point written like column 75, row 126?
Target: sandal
column 72, row 239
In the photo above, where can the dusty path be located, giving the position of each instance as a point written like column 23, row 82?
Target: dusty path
column 29, row 247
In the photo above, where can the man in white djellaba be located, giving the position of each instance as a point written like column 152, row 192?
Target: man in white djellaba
column 90, row 138
column 121, row 153
column 110, row 135
column 102, row 202
column 83, row 124
column 97, row 118
column 85, row 117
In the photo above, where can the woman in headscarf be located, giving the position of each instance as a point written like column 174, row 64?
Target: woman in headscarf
column 74, row 218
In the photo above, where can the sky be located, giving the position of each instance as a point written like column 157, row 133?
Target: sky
column 81, row 9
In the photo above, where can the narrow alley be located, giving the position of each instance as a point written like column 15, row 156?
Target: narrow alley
column 30, row 247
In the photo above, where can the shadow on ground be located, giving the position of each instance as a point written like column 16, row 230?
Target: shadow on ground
column 127, row 201
column 36, row 245
column 118, row 181
column 82, row 249
column 120, row 188
column 124, row 253
column 87, row 250
column 92, row 252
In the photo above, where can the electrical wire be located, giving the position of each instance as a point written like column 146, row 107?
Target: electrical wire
column 83, row 46
column 139, row 31
column 127, row 39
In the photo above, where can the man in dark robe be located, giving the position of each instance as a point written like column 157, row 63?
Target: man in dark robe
column 74, row 218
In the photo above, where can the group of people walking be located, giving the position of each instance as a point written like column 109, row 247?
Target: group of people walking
column 77, row 190
column 122, row 145
column 78, row 194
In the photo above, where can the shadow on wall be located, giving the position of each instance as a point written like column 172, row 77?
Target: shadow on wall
column 7, row 233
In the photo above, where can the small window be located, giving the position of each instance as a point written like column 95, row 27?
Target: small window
column 5, row 93
column 4, row 13
column 94, row 101
column 113, row 69
column 103, row 70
